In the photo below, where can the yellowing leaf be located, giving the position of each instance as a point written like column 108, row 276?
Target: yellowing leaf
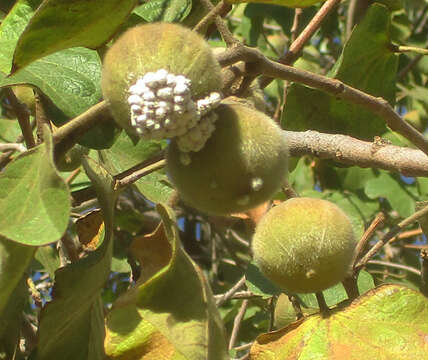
column 389, row 322
column 170, row 313
column 90, row 228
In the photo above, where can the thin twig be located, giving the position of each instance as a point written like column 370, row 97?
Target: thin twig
column 394, row 265
column 271, row 305
column 359, row 249
column 228, row 294
column 41, row 117
column 224, row 31
column 296, row 47
column 403, row 49
column 350, row 17
column 13, row 147
column 23, row 117
column 67, row 135
column 262, row 65
column 351, row 286
column 288, row 190
column 424, row 272
column 390, row 234
column 296, row 306
column 237, row 323
column 243, row 347
column 406, row 235
column 138, row 174
column 73, row 175
column 324, row 310
column 295, row 27
column 210, row 16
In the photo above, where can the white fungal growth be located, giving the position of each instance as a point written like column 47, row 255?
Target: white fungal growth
column 256, row 183
column 161, row 107
column 196, row 137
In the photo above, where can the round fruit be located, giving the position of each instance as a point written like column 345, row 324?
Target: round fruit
column 25, row 95
column 285, row 314
column 242, row 164
column 304, row 245
column 159, row 79
column 72, row 158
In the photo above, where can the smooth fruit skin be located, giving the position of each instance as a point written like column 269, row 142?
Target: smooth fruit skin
column 241, row 166
column 151, row 47
column 304, row 245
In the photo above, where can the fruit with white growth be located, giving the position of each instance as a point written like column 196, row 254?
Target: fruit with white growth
column 160, row 81
column 242, row 164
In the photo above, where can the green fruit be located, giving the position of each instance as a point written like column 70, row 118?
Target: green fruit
column 152, row 47
column 285, row 314
column 304, row 245
column 242, row 165
column 25, row 95
column 72, row 158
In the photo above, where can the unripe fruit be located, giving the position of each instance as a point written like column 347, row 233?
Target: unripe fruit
column 25, row 95
column 304, row 245
column 72, row 158
column 285, row 314
column 153, row 77
column 241, row 166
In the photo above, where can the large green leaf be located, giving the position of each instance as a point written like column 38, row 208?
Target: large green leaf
column 11, row 29
column 367, row 63
column 34, row 199
column 385, row 186
column 70, row 78
column 11, row 316
column 124, row 154
column 72, row 324
column 171, row 313
column 389, row 322
column 164, row 10
column 62, row 24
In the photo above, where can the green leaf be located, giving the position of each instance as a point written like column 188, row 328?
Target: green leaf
column 388, row 322
column 72, row 324
column 171, row 312
column 367, row 63
column 387, row 187
column 48, row 258
column 302, row 177
column 34, row 199
column 258, row 284
column 9, row 130
column 124, row 154
column 11, row 319
column 337, row 293
column 164, row 10
column 11, row 29
column 356, row 178
column 70, row 78
column 14, row 260
column 70, row 24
